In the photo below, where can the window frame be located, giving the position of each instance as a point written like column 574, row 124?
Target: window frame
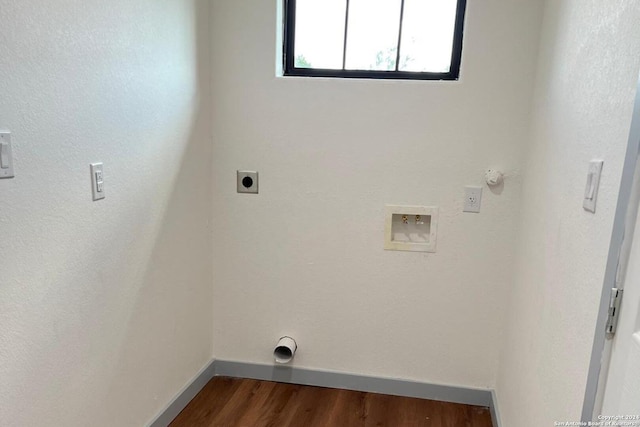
column 288, row 54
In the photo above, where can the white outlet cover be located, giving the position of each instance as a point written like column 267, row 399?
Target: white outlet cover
column 472, row 199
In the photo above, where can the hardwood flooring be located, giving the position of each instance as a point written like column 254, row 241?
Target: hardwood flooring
column 230, row 402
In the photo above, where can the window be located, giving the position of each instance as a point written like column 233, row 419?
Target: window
column 379, row 39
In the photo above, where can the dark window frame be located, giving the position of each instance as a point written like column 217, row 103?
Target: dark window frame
column 289, row 51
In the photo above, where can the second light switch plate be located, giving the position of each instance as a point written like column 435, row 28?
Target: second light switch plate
column 97, row 181
column 593, row 183
column 6, row 156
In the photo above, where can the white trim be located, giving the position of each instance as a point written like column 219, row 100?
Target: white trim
column 593, row 390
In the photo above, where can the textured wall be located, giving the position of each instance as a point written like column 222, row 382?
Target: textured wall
column 105, row 307
column 305, row 256
column 587, row 72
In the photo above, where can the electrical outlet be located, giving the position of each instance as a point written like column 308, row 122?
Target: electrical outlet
column 472, row 199
column 247, row 182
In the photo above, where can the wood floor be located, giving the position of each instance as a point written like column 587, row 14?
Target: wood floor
column 229, row 402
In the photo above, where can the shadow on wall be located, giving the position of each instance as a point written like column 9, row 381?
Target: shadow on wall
column 106, row 306
column 174, row 294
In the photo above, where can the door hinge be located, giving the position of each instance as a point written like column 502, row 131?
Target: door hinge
column 614, row 310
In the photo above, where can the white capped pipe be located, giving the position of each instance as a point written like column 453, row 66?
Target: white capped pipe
column 285, row 350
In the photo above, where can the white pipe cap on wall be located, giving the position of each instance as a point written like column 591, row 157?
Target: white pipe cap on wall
column 285, row 350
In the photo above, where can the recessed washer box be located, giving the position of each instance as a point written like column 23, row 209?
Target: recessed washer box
column 410, row 228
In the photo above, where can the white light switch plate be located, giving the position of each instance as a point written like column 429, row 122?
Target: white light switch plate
column 6, row 156
column 593, row 183
column 97, row 181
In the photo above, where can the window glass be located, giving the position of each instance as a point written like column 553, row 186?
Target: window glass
column 427, row 35
column 319, row 33
column 377, row 39
column 372, row 38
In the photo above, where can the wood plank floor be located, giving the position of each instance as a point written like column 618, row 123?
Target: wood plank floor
column 230, row 402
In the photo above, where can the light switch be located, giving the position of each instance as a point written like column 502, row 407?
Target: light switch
column 97, row 181
column 6, row 157
column 593, row 182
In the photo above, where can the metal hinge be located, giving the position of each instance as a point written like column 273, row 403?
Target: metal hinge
column 614, row 310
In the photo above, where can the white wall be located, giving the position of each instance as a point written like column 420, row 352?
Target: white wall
column 587, row 72
column 305, row 256
column 105, row 307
